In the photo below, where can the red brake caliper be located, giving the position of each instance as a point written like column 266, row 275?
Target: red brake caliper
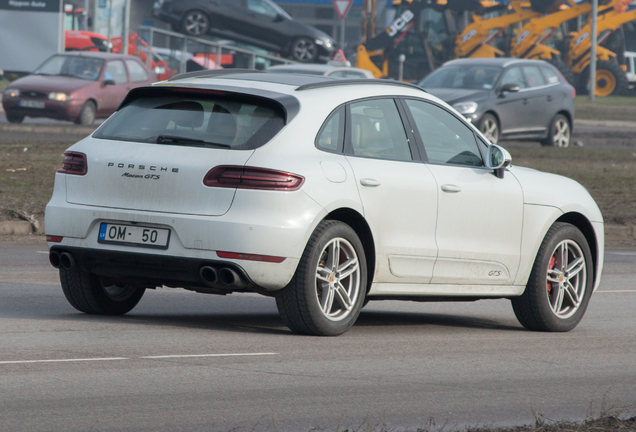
column 551, row 265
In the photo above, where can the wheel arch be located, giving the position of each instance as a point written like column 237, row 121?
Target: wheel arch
column 567, row 115
column 492, row 113
column 357, row 222
column 585, row 226
column 94, row 100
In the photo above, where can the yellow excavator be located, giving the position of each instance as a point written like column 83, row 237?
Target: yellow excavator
column 529, row 41
column 610, row 70
column 423, row 31
column 476, row 38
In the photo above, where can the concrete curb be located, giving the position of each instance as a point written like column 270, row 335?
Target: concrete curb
column 605, row 123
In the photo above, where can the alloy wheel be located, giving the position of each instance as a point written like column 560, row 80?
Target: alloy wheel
column 337, row 279
column 304, row 50
column 566, row 279
column 195, row 23
column 561, row 133
column 490, row 129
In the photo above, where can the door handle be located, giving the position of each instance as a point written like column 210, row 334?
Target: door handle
column 525, row 101
column 549, row 98
column 451, row 188
column 369, row 182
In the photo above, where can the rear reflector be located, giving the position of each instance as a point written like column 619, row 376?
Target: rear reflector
column 74, row 163
column 54, row 239
column 251, row 257
column 252, row 178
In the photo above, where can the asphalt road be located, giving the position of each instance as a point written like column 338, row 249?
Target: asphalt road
column 182, row 361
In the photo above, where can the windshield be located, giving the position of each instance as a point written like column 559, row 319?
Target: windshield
column 183, row 117
column 87, row 68
column 462, row 77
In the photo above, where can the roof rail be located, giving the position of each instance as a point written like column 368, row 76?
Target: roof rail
column 212, row 73
column 341, row 82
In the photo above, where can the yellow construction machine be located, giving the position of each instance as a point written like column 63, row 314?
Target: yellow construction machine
column 423, row 31
column 610, row 64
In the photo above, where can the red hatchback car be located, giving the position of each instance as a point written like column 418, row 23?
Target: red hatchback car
column 79, row 87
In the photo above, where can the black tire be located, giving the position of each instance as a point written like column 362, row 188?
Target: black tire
column 302, row 304
column 87, row 114
column 304, row 50
column 489, row 126
column 14, row 118
column 610, row 80
column 534, row 308
column 559, row 132
column 195, row 23
column 564, row 70
column 86, row 293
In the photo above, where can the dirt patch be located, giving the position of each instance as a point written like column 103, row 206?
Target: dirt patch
column 27, row 172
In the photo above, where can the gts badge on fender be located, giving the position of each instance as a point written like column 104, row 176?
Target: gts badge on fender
column 140, row 167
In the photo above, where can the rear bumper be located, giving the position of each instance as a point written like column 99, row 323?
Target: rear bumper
column 281, row 229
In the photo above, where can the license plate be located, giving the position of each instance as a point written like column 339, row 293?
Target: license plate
column 133, row 235
column 31, row 104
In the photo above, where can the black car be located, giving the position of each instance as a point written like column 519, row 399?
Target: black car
column 508, row 98
column 261, row 23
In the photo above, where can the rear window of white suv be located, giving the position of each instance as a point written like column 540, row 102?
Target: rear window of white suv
column 212, row 119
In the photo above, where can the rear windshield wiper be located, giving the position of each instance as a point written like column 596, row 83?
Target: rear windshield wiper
column 163, row 139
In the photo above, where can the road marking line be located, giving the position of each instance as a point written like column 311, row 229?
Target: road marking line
column 42, row 252
column 615, row 291
column 622, row 253
column 207, row 355
column 64, row 360
column 132, row 358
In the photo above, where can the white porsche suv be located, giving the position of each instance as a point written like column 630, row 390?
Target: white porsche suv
column 322, row 193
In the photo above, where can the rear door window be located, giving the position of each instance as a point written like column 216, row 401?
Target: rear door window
column 376, row 130
column 184, row 118
column 534, row 77
column 550, row 75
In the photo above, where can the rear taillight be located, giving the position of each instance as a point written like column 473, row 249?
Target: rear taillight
column 54, row 239
column 573, row 92
column 252, row 178
column 74, row 163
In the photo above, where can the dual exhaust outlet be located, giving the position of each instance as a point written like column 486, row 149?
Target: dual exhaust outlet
column 223, row 276
column 61, row 260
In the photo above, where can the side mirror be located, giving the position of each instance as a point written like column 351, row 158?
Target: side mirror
column 509, row 88
column 108, row 82
column 279, row 18
column 498, row 159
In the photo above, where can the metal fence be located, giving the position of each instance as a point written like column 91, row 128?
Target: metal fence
column 178, row 50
